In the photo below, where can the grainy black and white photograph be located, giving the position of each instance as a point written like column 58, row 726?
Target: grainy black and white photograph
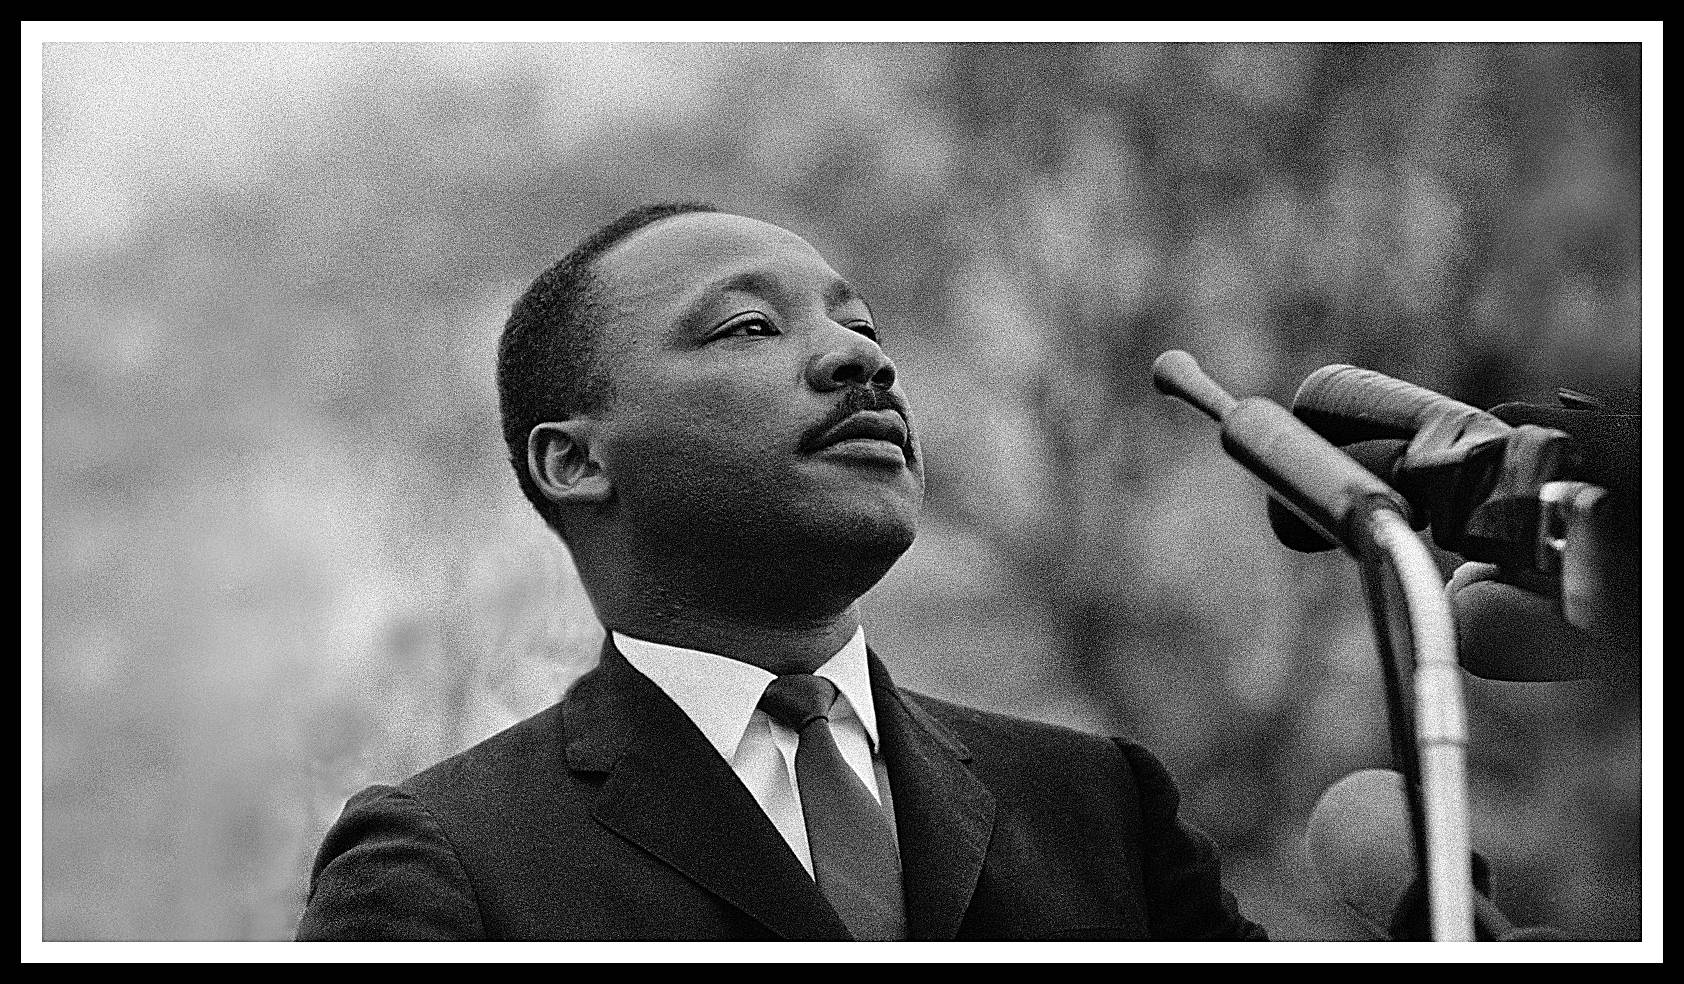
column 1092, row 484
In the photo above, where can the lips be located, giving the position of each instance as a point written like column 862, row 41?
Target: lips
column 873, row 425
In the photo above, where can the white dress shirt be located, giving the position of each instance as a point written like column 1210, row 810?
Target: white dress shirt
column 721, row 695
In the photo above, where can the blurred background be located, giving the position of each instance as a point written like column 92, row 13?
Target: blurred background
column 285, row 557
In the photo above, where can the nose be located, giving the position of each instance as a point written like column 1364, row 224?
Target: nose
column 851, row 360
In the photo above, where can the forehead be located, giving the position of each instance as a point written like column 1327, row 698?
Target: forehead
column 664, row 266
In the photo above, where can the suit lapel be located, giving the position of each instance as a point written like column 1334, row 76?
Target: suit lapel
column 669, row 792
column 943, row 814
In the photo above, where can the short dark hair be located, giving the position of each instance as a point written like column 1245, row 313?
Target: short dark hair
column 548, row 366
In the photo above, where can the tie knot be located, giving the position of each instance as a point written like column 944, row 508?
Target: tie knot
column 795, row 700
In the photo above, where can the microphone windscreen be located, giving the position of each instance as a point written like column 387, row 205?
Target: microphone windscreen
column 1504, row 632
column 1345, row 404
column 1379, row 457
column 1361, row 845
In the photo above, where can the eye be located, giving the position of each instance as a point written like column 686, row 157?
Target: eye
column 864, row 328
column 752, row 323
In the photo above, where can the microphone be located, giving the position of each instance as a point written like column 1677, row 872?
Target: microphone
column 1492, row 486
column 1472, row 476
column 1360, row 843
column 1498, row 631
column 1506, row 632
column 1345, row 404
column 1321, row 485
column 1378, row 456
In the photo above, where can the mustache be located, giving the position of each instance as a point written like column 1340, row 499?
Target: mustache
column 856, row 399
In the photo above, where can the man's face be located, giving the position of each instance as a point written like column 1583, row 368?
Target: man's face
column 754, row 411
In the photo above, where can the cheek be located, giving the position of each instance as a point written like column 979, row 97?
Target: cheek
column 704, row 436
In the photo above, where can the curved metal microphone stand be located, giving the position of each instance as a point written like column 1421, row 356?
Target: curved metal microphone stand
column 1427, row 721
column 1396, row 562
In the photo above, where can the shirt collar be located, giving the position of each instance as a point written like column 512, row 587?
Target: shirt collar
column 721, row 694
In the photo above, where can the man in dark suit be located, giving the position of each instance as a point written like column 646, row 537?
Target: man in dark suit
column 703, row 410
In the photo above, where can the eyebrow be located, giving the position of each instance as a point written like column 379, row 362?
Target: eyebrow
column 841, row 292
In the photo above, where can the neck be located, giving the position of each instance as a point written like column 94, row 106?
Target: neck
column 789, row 647
column 785, row 613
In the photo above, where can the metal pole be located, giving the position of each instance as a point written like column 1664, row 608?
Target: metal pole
column 1440, row 727
column 1393, row 644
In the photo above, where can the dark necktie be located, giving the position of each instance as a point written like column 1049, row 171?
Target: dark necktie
column 854, row 858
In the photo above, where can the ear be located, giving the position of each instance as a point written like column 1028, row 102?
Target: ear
column 563, row 463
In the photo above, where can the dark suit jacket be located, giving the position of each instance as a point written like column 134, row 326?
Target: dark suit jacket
column 609, row 817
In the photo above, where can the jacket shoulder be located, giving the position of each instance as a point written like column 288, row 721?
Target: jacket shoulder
column 991, row 731
column 511, row 757
column 387, row 871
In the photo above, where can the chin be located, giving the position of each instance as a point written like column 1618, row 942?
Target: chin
column 875, row 535
column 848, row 559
